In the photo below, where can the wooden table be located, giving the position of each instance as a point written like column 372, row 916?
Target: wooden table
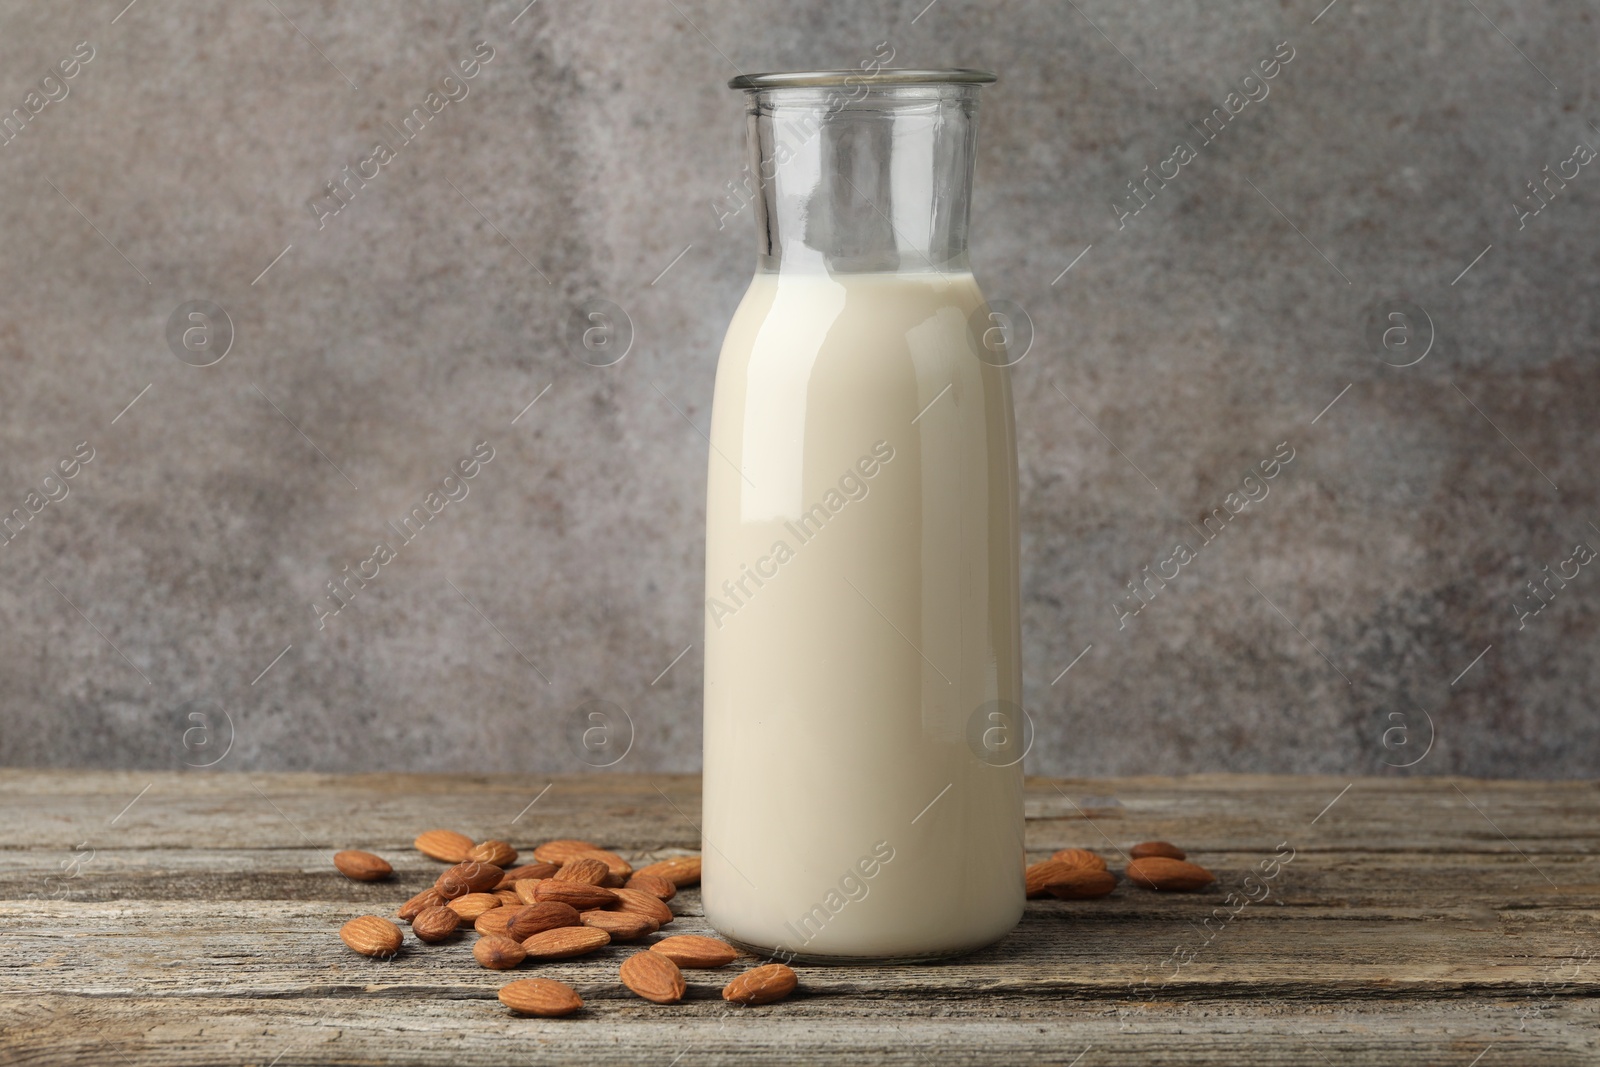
column 191, row 918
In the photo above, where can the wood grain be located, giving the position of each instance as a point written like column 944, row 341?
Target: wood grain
column 1419, row 921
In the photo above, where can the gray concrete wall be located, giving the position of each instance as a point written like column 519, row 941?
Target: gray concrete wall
column 1377, row 587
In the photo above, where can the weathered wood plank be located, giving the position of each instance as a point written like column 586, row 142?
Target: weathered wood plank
column 1420, row 921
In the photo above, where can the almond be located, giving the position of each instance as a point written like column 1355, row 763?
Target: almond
column 1080, row 857
column 1040, row 875
column 473, row 905
column 560, row 851
column 508, row 897
column 621, row 925
column 499, row 853
column 446, row 845
column 493, row 923
column 428, row 898
column 1082, row 883
column 540, row 996
column 681, row 871
column 435, row 924
column 763, row 985
column 641, row 903
column 471, row 876
column 580, row 895
column 619, row 867
column 1162, row 873
column 371, row 936
column 527, row 870
column 498, row 953
column 1146, row 849
column 692, row 950
column 653, row 884
column 590, row 871
column 565, row 942
column 537, row 918
column 362, row 866
column 525, row 889
column 654, row 977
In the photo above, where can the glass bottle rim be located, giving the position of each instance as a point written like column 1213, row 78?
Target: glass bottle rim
column 853, row 78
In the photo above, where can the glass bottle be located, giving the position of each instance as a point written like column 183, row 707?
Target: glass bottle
column 863, row 728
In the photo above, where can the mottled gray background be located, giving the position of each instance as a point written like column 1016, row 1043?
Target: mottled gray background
column 139, row 613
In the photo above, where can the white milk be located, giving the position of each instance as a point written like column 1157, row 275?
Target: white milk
column 861, row 582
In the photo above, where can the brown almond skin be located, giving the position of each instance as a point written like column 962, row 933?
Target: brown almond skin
column 621, row 925
column 428, row 898
column 654, row 977
column 1040, row 875
column 527, row 870
column 499, row 853
column 445, row 845
column 470, row 876
column 763, row 985
column 681, row 871
column 435, row 924
column 1083, row 883
column 565, row 942
column 361, row 866
column 372, row 936
column 619, row 867
column 640, row 903
column 693, row 950
column 525, row 889
column 1169, row 875
column 494, row 922
column 580, row 895
column 1080, row 857
column 583, row 869
column 1146, row 849
column 498, row 953
column 540, row 996
column 563, row 849
column 508, row 897
column 653, row 884
column 545, row 915
column 472, row 905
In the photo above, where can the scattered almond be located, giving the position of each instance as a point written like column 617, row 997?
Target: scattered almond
column 562, row 850
column 508, row 897
column 1082, row 883
column 540, row 996
column 527, row 870
column 580, row 895
column 525, row 888
column 692, row 950
column 1040, row 875
column 621, row 925
column 472, row 905
column 653, row 884
column 499, row 853
column 472, row 876
column 654, row 977
column 446, row 845
column 435, row 924
column 1080, row 857
column 681, row 871
column 565, row 942
column 1157, row 848
column 537, row 918
column 590, row 871
column 1170, row 875
column 498, row 953
column 371, row 936
column 361, row 866
column 619, row 867
column 493, row 923
column 428, row 898
column 640, row 903
column 763, row 985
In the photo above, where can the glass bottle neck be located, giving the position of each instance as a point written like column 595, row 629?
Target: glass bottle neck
column 863, row 178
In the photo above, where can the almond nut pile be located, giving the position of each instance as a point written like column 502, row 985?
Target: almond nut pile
column 576, row 898
column 573, row 899
column 1078, row 874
